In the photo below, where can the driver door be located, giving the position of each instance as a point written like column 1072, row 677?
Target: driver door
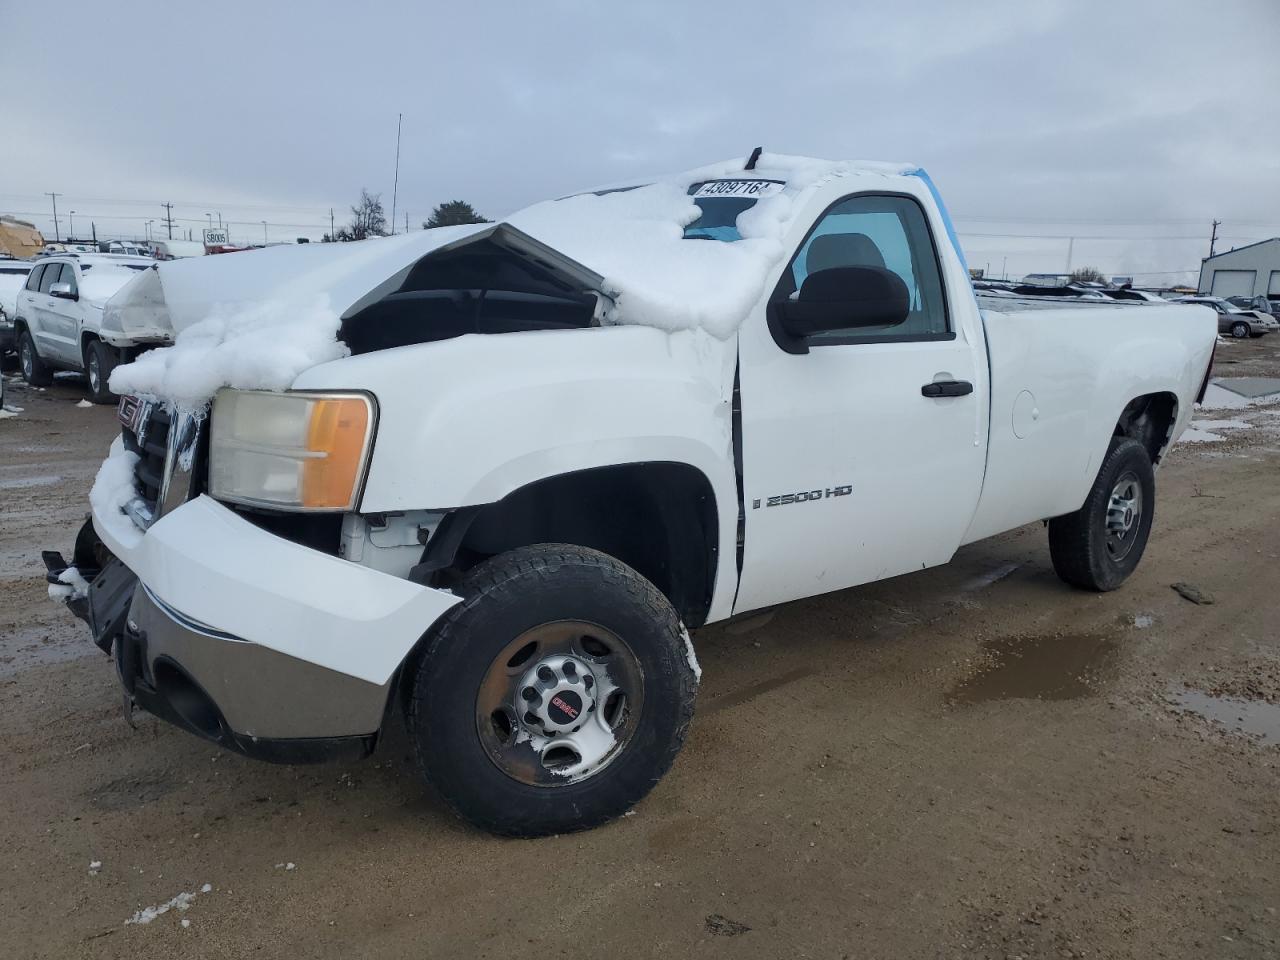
column 852, row 470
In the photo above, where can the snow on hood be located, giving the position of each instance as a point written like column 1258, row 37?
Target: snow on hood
column 258, row 319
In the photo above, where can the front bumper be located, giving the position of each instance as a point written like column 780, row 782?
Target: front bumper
column 262, row 645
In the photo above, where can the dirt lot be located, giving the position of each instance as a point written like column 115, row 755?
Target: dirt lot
column 970, row 761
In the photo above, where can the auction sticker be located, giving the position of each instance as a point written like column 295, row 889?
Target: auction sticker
column 754, row 189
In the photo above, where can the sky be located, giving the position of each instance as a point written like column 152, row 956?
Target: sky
column 1128, row 125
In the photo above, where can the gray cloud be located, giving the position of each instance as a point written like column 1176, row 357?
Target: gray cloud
column 1058, row 117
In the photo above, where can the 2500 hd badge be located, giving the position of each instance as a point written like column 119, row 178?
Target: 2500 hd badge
column 804, row 496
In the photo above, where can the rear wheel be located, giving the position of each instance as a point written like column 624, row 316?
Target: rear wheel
column 1098, row 546
column 34, row 370
column 1239, row 330
column 99, row 361
column 554, row 696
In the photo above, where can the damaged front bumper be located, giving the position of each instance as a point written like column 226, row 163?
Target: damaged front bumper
column 264, row 646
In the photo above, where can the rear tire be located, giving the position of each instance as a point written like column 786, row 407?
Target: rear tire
column 1240, row 330
column 1099, row 546
column 99, row 361
column 34, row 370
column 495, row 675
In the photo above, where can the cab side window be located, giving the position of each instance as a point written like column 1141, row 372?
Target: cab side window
column 887, row 232
column 33, row 281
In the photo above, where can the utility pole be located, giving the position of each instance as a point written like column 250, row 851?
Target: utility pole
column 332, row 238
column 94, row 227
column 1213, row 237
column 396, row 186
column 71, row 225
column 406, row 221
column 55, row 197
column 1071, row 242
column 168, row 219
column 264, row 233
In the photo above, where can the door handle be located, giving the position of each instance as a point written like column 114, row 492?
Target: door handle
column 947, row 388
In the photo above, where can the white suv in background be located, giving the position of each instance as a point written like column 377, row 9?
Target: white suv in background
column 58, row 317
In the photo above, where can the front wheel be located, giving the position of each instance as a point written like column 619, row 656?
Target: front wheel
column 555, row 696
column 1240, row 330
column 1098, row 546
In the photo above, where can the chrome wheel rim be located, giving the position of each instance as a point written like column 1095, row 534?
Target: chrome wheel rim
column 1124, row 515
column 25, row 352
column 559, row 703
column 1240, row 331
column 94, row 372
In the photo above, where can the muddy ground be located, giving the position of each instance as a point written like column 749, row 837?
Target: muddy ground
column 969, row 761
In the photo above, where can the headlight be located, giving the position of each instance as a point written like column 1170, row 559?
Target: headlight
column 292, row 451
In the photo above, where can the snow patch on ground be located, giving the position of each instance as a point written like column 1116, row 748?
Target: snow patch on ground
column 262, row 346
column 112, row 489
column 689, row 655
column 181, row 903
column 85, row 405
column 6, row 412
column 1192, row 435
column 1220, row 398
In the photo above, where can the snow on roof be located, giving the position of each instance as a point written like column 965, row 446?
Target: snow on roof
column 258, row 319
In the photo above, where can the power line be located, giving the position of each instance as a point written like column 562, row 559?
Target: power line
column 168, row 209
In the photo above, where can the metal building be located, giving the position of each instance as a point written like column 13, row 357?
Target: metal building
column 1252, row 271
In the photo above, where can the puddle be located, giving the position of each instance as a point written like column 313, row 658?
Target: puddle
column 1254, row 718
column 1038, row 668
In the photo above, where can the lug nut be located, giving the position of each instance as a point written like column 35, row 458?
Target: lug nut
column 545, row 674
column 529, row 694
column 587, row 681
column 531, row 717
column 569, row 669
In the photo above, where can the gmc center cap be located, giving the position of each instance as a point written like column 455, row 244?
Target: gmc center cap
column 565, row 708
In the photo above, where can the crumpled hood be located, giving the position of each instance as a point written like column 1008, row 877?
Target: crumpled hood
column 180, row 293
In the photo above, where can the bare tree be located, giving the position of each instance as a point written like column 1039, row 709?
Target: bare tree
column 368, row 219
column 1087, row 275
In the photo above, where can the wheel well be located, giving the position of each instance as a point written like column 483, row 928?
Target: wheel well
column 1149, row 419
column 86, row 339
column 658, row 518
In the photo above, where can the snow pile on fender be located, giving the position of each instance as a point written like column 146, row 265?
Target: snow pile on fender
column 260, row 346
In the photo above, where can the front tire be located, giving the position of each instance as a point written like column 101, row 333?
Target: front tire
column 1240, row 330
column 99, row 361
column 555, row 696
column 34, row 370
column 1099, row 546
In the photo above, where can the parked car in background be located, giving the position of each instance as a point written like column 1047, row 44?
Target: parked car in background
column 1235, row 321
column 1128, row 293
column 126, row 248
column 1256, row 304
column 177, row 249
column 58, row 317
column 13, row 274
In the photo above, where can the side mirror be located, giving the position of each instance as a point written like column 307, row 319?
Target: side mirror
column 62, row 291
column 840, row 298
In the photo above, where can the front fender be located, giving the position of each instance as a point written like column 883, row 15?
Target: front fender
column 469, row 420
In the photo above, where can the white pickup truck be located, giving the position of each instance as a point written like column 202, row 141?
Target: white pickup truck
column 491, row 475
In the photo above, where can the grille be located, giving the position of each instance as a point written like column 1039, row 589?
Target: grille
column 151, row 449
